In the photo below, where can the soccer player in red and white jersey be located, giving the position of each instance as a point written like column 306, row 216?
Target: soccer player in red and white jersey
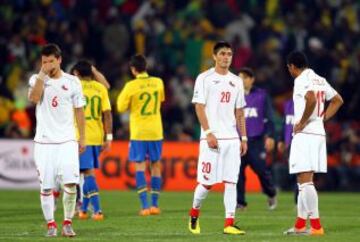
column 58, row 97
column 308, row 146
column 219, row 101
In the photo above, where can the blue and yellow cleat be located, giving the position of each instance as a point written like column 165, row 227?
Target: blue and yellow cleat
column 194, row 225
column 233, row 230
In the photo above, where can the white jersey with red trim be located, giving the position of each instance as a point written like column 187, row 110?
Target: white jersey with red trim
column 55, row 111
column 308, row 80
column 221, row 94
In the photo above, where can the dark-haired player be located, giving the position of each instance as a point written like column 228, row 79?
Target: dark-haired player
column 219, row 101
column 308, row 146
column 143, row 97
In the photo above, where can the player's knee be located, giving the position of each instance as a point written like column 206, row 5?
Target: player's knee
column 156, row 167
column 46, row 192
column 140, row 166
column 88, row 172
column 208, row 187
column 70, row 188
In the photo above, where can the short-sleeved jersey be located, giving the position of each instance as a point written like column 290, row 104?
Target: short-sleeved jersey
column 55, row 110
column 143, row 97
column 308, row 80
column 221, row 94
column 97, row 102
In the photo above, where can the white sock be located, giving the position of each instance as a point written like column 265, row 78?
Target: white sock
column 199, row 195
column 81, row 184
column 230, row 200
column 69, row 202
column 311, row 200
column 301, row 211
column 47, row 204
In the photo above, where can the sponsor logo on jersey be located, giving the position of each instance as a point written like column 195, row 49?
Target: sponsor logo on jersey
column 64, row 88
column 231, row 84
column 251, row 113
column 216, row 81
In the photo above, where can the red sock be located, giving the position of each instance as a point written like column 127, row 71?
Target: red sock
column 52, row 224
column 194, row 212
column 66, row 222
column 315, row 223
column 229, row 222
column 300, row 223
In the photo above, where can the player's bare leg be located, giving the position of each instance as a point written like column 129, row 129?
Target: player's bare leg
column 155, row 187
column 47, row 206
column 142, row 188
column 69, row 203
column 201, row 192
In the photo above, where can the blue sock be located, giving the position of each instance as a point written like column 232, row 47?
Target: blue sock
column 142, row 188
column 155, row 190
column 86, row 200
column 93, row 192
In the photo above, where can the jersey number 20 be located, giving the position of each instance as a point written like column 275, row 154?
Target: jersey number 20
column 94, row 103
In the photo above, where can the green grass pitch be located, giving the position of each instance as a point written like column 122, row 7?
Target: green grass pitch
column 21, row 219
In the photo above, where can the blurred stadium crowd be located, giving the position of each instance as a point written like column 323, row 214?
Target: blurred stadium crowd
column 177, row 38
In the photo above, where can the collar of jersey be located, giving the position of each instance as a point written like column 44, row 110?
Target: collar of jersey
column 142, row 75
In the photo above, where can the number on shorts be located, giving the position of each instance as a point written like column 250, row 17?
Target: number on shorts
column 225, row 97
column 206, row 167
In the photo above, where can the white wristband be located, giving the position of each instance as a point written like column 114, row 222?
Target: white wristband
column 41, row 76
column 109, row 137
column 244, row 138
column 208, row 131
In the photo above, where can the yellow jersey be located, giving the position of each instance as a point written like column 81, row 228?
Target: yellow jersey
column 97, row 102
column 143, row 97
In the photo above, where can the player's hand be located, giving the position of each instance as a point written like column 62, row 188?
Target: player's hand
column 243, row 148
column 212, row 141
column 47, row 68
column 298, row 127
column 281, row 147
column 82, row 146
column 269, row 144
column 106, row 146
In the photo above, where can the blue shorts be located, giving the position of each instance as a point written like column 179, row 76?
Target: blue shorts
column 141, row 150
column 89, row 159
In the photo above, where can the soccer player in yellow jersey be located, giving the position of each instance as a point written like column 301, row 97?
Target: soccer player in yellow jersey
column 98, row 118
column 142, row 97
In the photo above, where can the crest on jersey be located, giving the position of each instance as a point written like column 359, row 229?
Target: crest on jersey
column 64, row 87
column 231, row 84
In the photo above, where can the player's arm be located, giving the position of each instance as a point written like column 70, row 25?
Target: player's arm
column 201, row 115
column 123, row 100
column 335, row 103
column 241, row 126
column 80, row 121
column 99, row 77
column 37, row 89
column 269, row 125
column 108, row 126
column 310, row 103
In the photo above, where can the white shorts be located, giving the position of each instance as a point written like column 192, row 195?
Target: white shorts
column 222, row 165
column 57, row 163
column 308, row 153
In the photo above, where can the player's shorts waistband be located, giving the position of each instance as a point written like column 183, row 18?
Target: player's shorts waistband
column 54, row 143
column 234, row 138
